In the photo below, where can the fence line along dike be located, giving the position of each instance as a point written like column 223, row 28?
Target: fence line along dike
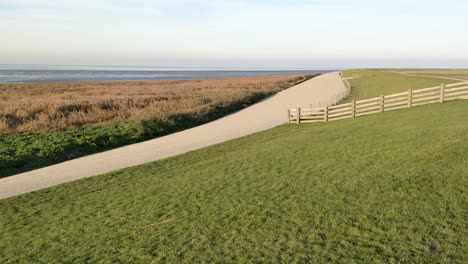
column 411, row 98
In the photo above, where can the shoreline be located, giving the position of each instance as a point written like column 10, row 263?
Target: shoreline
column 150, row 81
column 77, row 76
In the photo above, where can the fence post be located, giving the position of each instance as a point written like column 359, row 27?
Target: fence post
column 382, row 104
column 442, row 92
column 325, row 115
column 289, row 116
column 298, row 121
column 353, row 109
column 410, row 98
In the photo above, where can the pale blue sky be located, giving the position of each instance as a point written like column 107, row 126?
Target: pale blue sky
column 242, row 33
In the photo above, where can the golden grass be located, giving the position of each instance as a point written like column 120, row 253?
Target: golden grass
column 58, row 106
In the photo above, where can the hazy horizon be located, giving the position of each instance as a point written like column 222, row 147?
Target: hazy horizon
column 91, row 67
column 142, row 67
column 232, row 34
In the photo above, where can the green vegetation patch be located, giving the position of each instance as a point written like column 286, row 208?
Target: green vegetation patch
column 385, row 188
column 373, row 83
column 27, row 151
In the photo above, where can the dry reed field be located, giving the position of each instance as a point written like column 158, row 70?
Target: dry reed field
column 59, row 106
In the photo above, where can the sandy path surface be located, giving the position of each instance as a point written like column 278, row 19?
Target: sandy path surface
column 261, row 116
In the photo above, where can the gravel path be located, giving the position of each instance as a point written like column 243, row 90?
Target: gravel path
column 261, row 116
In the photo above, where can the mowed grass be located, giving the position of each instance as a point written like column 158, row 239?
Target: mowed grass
column 385, row 188
column 373, row 83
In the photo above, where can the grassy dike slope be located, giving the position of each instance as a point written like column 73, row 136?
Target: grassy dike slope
column 373, row 83
column 390, row 187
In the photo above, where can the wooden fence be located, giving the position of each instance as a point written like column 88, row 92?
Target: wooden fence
column 380, row 104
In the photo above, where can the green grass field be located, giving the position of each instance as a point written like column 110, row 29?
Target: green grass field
column 385, row 188
column 373, row 83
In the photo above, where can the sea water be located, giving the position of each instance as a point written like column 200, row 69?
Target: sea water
column 47, row 73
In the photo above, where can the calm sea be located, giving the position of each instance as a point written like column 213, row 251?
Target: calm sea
column 28, row 74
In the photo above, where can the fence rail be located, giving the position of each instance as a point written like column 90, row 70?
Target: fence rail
column 411, row 98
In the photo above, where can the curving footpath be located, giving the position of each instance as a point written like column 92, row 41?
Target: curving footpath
column 261, row 116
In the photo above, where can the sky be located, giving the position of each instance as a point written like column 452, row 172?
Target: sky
column 296, row 34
